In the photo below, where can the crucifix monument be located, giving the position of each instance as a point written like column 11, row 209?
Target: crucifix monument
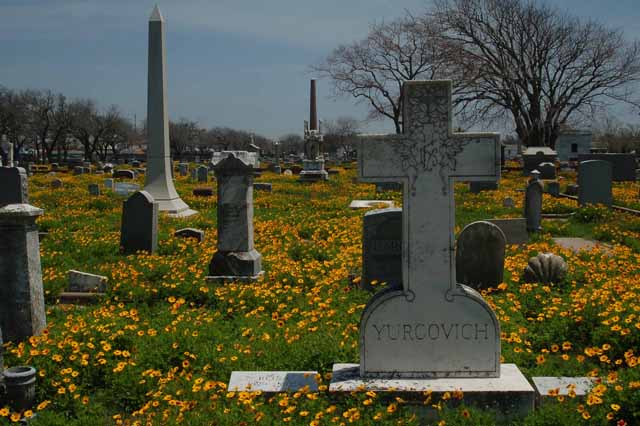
column 431, row 326
column 159, row 182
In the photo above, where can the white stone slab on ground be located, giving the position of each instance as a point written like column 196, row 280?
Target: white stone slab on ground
column 510, row 393
column 367, row 204
column 548, row 388
column 273, row 381
column 577, row 244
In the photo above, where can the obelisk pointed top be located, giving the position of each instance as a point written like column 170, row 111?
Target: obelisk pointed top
column 156, row 15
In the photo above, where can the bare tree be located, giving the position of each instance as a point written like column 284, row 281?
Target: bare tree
column 341, row 133
column 616, row 136
column 14, row 118
column 183, row 136
column 374, row 69
column 291, row 143
column 542, row 67
column 90, row 126
column 49, row 121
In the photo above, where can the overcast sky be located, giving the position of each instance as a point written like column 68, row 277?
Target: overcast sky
column 236, row 63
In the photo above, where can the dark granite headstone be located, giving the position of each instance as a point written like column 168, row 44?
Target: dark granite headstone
column 478, row 186
column 480, row 255
column 203, row 173
column 94, row 189
column 623, row 165
column 594, row 182
column 13, row 186
column 124, row 174
column 198, row 234
column 382, row 247
column 139, row 229
column 547, row 170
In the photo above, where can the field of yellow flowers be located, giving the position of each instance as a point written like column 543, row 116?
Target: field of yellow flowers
column 161, row 347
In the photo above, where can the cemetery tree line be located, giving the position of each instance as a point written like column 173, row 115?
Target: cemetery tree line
column 47, row 126
column 518, row 62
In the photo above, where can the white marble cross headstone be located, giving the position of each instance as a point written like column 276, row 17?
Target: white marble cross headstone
column 432, row 326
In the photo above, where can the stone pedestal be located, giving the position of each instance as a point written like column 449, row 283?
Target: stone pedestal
column 22, row 310
column 313, row 171
column 510, row 394
column 236, row 258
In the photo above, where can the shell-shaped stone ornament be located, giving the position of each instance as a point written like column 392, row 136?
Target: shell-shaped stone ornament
column 545, row 268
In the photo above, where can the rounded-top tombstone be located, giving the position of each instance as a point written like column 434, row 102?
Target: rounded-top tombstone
column 139, row 229
column 480, row 255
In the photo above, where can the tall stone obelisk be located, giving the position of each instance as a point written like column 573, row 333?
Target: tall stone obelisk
column 313, row 163
column 159, row 182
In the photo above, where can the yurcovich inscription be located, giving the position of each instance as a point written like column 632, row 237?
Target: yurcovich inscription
column 432, row 331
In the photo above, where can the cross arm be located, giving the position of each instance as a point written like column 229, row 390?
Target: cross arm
column 479, row 159
column 376, row 154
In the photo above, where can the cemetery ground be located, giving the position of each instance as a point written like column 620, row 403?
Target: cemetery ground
column 159, row 349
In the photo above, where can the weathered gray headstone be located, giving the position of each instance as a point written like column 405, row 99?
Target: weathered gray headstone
column 139, row 229
column 158, row 178
column 236, row 256
column 382, row 248
column 13, row 186
column 22, row 310
column 533, row 203
column 123, row 188
column 480, row 255
column 431, row 326
column 94, row 189
column 594, row 183
column 85, row 282
column 203, row 174
column 184, row 169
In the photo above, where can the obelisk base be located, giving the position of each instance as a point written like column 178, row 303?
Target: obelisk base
column 175, row 207
column 510, row 395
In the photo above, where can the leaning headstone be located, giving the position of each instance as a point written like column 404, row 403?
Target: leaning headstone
column 13, row 186
column 382, row 248
column 547, row 170
column 198, row 234
column 139, row 228
column 236, row 256
column 480, row 255
column 594, row 183
column 22, row 309
column 203, row 173
column 533, row 203
column 94, row 189
column 84, row 282
column 431, row 334
column 124, row 174
column 159, row 179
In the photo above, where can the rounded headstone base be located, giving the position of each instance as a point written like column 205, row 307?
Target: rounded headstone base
column 235, row 265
